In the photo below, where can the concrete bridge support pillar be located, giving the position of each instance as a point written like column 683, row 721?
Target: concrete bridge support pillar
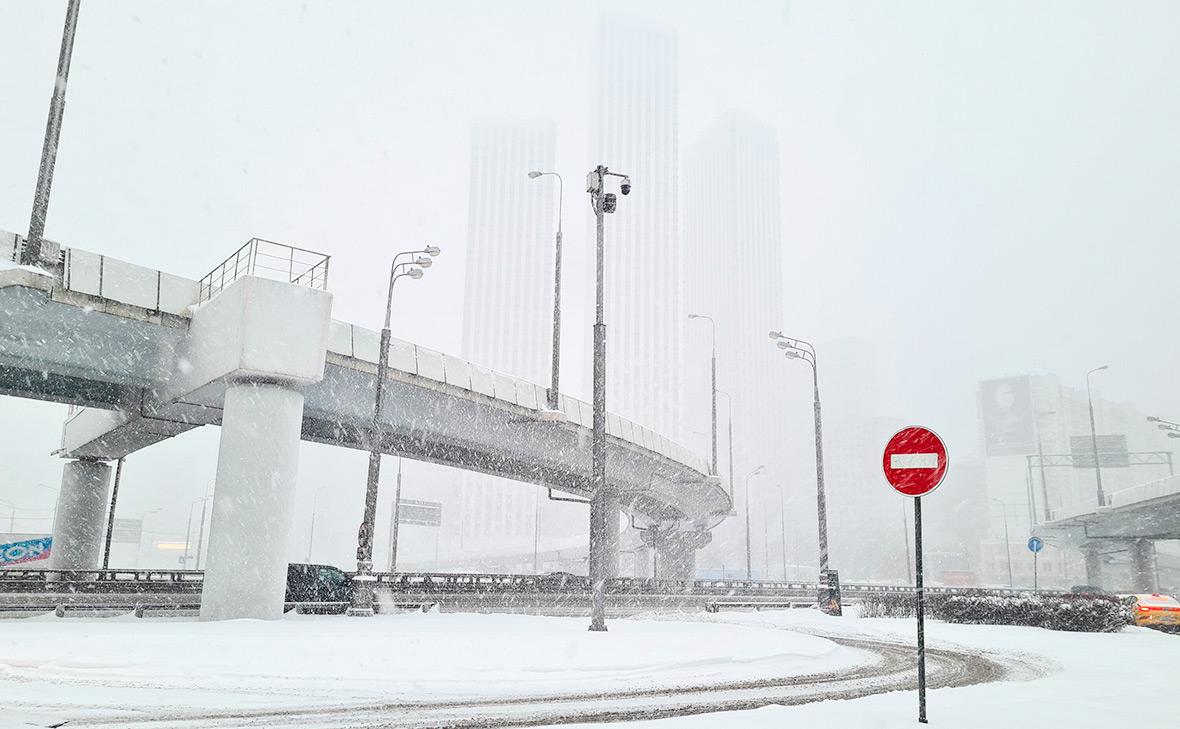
column 1093, row 565
column 81, row 515
column 1143, row 565
column 611, row 536
column 676, row 552
column 253, row 502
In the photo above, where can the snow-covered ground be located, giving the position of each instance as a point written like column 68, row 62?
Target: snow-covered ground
column 90, row 667
column 1091, row 680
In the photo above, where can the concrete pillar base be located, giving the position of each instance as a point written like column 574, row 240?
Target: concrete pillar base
column 1143, row 565
column 676, row 552
column 1093, row 566
column 253, row 501
column 81, row 515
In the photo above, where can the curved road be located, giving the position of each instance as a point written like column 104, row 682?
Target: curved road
column 893, row 669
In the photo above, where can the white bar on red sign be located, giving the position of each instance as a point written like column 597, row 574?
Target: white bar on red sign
column 913, row 460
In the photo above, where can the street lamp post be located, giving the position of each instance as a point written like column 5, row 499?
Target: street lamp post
column 1007, row 543
column 188, row 529
column 1041, row 458
column 311, row 532
column 713, row 340
column 1094, row 435
column 408, row 264
column 799, row 349
column 729, row 438
column 142, row 522
column 602, row 202
column 746, row 491
column 57, row 105
column 782, row 518
column 556, row 360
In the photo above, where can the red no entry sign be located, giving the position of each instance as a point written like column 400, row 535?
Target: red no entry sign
column 915, row 461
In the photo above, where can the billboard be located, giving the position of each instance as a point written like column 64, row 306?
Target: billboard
column 420, row 513
column 1112, row 451
column 1009, row 427
column 127, row 531
column 25, row 550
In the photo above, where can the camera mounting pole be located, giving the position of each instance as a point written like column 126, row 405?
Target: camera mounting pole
column 604, row 555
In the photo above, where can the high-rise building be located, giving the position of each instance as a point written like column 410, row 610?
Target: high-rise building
column 1025, row 416
column 507, row 310
column 733, row 273
column 635, row 132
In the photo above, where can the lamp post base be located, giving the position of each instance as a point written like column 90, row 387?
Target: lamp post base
column 362, row 591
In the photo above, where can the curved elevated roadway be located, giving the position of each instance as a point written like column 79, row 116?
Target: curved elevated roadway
column 145, row 360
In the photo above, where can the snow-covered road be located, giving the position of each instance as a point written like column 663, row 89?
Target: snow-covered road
column 440, row 670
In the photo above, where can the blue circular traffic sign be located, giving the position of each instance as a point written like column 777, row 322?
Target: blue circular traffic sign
column 1035, row 544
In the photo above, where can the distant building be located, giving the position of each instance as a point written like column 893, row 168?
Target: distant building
column 1024, row 416
column 634, row 130
column 733, row 273
column 507, row 310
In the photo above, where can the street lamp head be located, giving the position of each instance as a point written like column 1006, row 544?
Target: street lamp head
column 415, row 273
column 535, row 174
column 1173, row 435
column 1152, row 419
column 792, row 354
column 433, row 250
column 784, row 345
column 694, row 316
column 424, row 261
column 777, row 335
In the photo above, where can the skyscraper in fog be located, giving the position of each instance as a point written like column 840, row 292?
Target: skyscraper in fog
column 510, row 221
column 733, row 273
column 508, row 306
column 635, row 132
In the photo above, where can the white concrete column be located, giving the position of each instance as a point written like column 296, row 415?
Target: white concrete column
column 611, row 536
column 1143, row 565
column 676, row 555
column 81, row 515
column 253, row 501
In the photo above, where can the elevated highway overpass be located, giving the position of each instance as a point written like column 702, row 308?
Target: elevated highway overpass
column 1132, row 519
column 145, row 356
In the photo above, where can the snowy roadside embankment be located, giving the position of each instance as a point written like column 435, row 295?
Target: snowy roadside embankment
column 89, row 667
column 1090, row 680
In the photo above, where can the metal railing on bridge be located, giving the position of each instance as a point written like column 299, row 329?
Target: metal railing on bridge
column 268, row 259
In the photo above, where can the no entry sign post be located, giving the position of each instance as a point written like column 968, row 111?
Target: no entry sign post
column 915, row 463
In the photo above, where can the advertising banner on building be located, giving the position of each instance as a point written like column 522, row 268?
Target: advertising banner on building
column 1009, row 427
column 420, row 513
column 25, row 550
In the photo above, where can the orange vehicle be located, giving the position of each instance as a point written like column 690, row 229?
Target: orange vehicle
column 1157, row 611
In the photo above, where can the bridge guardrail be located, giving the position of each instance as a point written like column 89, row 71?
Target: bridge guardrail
column 44, row 581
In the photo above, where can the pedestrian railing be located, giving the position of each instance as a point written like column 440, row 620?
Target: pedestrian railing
column 268, row 259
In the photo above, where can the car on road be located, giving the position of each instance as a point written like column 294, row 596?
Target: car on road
column 1157, row 611
column 326, row 588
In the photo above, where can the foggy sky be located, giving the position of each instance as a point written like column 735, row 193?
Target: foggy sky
column 979, row 189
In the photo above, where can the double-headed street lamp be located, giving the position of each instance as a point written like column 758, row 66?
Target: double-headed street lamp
column 1094, row 435
column 798, row 349
column 556, row 362
column 729, row 402
column 713, row 340
column 602, row 202
column 1172, row 429
column 407, row 264
column 746, row 490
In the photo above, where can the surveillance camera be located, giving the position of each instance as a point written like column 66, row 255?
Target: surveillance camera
column 625, row 186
